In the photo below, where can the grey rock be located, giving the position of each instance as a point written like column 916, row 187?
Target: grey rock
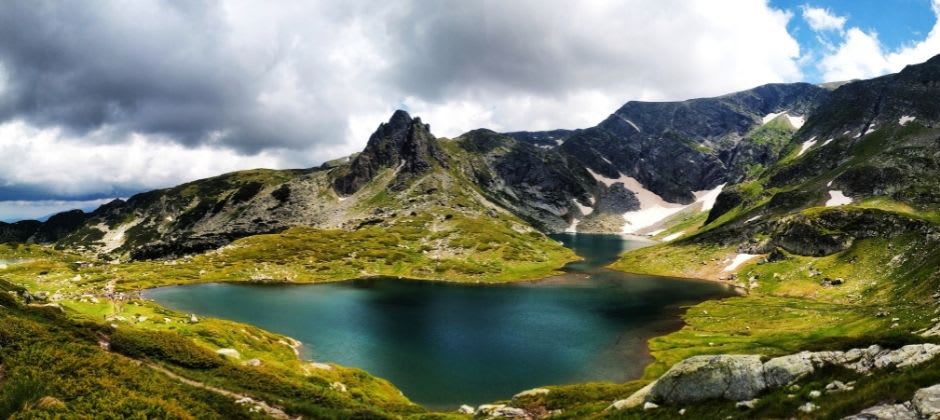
column 781, row 371
column 886, row 412
column 927, row 402
column 698, row 378
column 749, row 404
column 808, row 407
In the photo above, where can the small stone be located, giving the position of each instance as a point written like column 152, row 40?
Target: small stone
column 682, row 412
column 193, row 318
column 229, row 353
column 650, row 406
column 749, row 404
column 808, row 407
column 815, row 394
column 253, row 362
column 338, row 386
column 465, row 409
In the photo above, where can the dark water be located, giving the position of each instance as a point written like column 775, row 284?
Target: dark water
column 446, row 344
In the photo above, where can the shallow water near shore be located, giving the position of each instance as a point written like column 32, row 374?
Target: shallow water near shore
column 446, row 344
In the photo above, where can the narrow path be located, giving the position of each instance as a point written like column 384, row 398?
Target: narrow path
column 239, row 398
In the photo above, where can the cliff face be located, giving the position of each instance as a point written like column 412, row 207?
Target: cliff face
column 402, row 141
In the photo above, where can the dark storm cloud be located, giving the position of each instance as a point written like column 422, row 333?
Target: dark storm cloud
column 164, row 68
column 107, row 97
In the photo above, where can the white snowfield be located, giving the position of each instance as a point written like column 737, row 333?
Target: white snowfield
column 906, row 119
column 585, row 211
column 738, row 260
column 770, row 117
column 654, row 208
column 806, row 145
column 836, row 198
column 796, row 121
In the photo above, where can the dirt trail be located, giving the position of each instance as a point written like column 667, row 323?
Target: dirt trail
column 239, row 398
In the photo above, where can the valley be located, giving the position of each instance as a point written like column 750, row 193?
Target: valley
column 819, row 203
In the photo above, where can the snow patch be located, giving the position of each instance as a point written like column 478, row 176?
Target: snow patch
column 656, row 232
column 738, row 260
column 836, row 198
column 573, row 227
column 654, row 208
column 796, row 121
column 770, row 117
column 585, row 210
column 629, row 122
column 829, row 184
column 826, row 142
column 672, row 237
column 752, row 219
column 559, row 142
column 806, row 145
column 906, row 119
column 708, row 197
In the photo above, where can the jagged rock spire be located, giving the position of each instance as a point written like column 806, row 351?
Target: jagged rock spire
column 404, row 141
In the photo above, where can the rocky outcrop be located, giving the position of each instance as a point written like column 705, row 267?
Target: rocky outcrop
column 674, row 148
column 404, row 143
column 699, row 378
column 924, row 406
column 743, row 377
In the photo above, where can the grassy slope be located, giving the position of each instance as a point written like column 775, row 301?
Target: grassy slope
column 885, row 299
column 53, row 366
column 447, row 236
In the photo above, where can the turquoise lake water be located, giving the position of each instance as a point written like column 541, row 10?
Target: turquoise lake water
column 446, row 344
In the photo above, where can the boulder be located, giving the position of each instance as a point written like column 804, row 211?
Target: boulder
column 466, row 409
column 698, row 378
column 910, row 355
column 927, row 402
column 886, row 412
column 500, row 410
column 634, row 400
column 781, row 371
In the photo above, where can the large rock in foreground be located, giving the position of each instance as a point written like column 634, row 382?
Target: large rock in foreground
column 743, row 377
column 698, row 378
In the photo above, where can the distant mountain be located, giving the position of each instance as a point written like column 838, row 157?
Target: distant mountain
column 646, row 167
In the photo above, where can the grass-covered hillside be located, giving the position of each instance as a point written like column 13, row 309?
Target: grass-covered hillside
column 835, row 246
column 66, row 362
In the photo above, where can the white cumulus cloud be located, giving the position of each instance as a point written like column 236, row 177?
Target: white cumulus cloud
column 860, row 54
column 820, row 19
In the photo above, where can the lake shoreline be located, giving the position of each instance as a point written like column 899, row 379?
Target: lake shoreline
column 639, row 310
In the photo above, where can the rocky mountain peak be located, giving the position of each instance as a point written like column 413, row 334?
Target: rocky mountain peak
column 403, row 143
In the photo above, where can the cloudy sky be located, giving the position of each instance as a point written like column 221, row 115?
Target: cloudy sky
column 107, row 98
